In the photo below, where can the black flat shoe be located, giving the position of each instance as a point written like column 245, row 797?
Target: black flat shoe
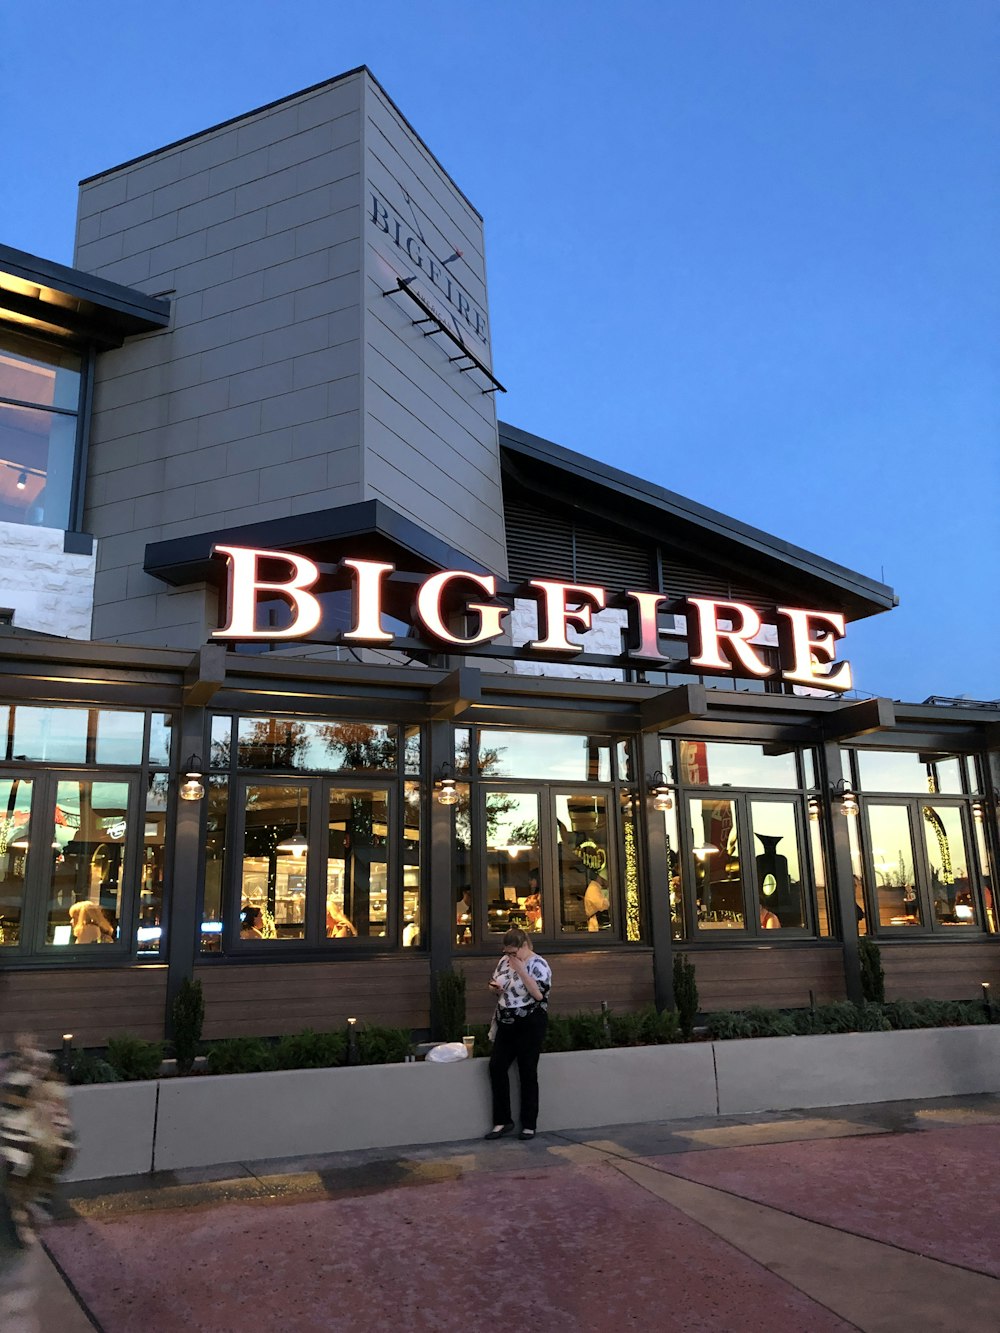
column 501, row 1131
column 526, row 1134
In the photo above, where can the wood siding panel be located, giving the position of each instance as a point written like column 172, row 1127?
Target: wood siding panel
column 579, row 981
column 773, row 978
column 940, row 971
column 92, row 1005
column 271, row 999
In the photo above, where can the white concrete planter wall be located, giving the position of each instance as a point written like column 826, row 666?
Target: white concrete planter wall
column 129, row 1128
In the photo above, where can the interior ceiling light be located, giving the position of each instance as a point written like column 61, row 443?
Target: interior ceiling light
column 22, row 481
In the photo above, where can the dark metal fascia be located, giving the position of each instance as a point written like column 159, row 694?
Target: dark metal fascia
column 132, row 308
column 877, row 596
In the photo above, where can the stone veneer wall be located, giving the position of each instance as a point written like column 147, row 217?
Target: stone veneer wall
column 48, row 589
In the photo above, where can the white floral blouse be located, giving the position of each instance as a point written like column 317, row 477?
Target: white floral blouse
column 515, row 1001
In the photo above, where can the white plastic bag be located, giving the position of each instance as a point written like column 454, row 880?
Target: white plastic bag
column 446, row 1053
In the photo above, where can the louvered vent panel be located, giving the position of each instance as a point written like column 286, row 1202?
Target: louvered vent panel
column 683, row 580
column 539, row 543
column 613, row 562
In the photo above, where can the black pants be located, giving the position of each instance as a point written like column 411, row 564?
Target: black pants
column 522, row 1041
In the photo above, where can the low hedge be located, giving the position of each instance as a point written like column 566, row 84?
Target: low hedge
column 844, row 1016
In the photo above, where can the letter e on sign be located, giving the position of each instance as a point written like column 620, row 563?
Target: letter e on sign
column 801, row 652
column 244, row 587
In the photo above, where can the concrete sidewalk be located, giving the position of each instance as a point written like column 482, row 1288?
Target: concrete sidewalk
column 869, row 1217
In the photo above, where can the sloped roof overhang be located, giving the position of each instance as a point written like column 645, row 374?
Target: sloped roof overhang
column 40, row 296
column 552, row 471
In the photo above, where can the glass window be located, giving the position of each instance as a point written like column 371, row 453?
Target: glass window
column 978, row 822
column 544, row 756
column 585, row 889
column 216, row 818
column 357, row 880
column 275, row 863
column 15, row 833
column 724, row 764
column 824, row 906
column 630, row 870
column 411, row 752
column 90, row 840
column 222, row 742
column 910, row 773
column 667, row 759
column 513, row 871
column 952, row 897
column 675, row 871
column 893, row 865
column 809, row 770
column 51, row 735
column 39, row 401
column 857, row 871
column 160, row 728
column 274, row 742
column 462, row 878
column 119, row 737
column 718, row 881
column 463, row 749
column 412, row 806
column 149, row 932
column 777, row 864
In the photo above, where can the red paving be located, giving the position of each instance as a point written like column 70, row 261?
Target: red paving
column 566, row 1248
column 935, row 1194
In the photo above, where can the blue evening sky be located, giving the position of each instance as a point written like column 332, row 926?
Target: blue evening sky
column 747, row 249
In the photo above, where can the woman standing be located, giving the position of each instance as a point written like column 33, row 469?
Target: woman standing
column 521, row 982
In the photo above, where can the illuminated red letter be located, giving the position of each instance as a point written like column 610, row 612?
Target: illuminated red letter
column 429, row 600
column 368, row 601
column 800, row 652
column 643, row 626
column 556, row 615
column 707, row 642
column 244, row 586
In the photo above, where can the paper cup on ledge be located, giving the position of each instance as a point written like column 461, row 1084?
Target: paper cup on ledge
column 470, row 1046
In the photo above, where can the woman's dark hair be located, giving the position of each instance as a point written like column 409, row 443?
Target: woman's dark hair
column 248, row 917
column 516, row 937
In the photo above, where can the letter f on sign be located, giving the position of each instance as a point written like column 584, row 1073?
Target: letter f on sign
column 244, row 586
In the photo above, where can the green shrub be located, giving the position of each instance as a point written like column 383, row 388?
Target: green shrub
column 842, row 1016
column 872, row 976
column 589, row 1032
column 240, row 1055
column 626, row 1029
column 449, row 1005
column 685, row 994
column 91, row 1069
column 311, row 1050
column 902, row 1015
column 481, row 1032
column 769, row 1022
column 727, row 1026
column 134, row 1059
column 871, row 1018
column 659, row 1029
column 559, row 1035
column 384, row 1046
column 974, row 1012
column 188, row 1015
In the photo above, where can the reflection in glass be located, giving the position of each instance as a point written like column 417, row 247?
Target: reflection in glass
column 984, row 870
column 37, row 452
column 630, row 868
column 222, row 742
column 411, row 865
column 626, row 767
column 411, row 752
column 824, row 905
column 50, row 735
column 777, row 865
column 149, row 933
column 809, row 770
column 952, row 897
column 911, row 773
column 544, row 756
column 857, row 874
column 119, row 737
column 724, row 764
column 465, row 899
column 216, row 819
column 584, row 863
column 718, row 885
column 357, row 878
column 463, row 749
column 15, row 835
column 892, row 862
column 275, row 742
column 90, row 839
column 274, row 880
column 160, row 728
column 513, row 883
column 667, row 759
column 675, row 873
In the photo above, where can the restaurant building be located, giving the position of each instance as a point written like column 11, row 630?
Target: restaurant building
column 316, row 677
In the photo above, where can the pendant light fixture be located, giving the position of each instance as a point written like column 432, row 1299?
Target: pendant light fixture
column 297, row 845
